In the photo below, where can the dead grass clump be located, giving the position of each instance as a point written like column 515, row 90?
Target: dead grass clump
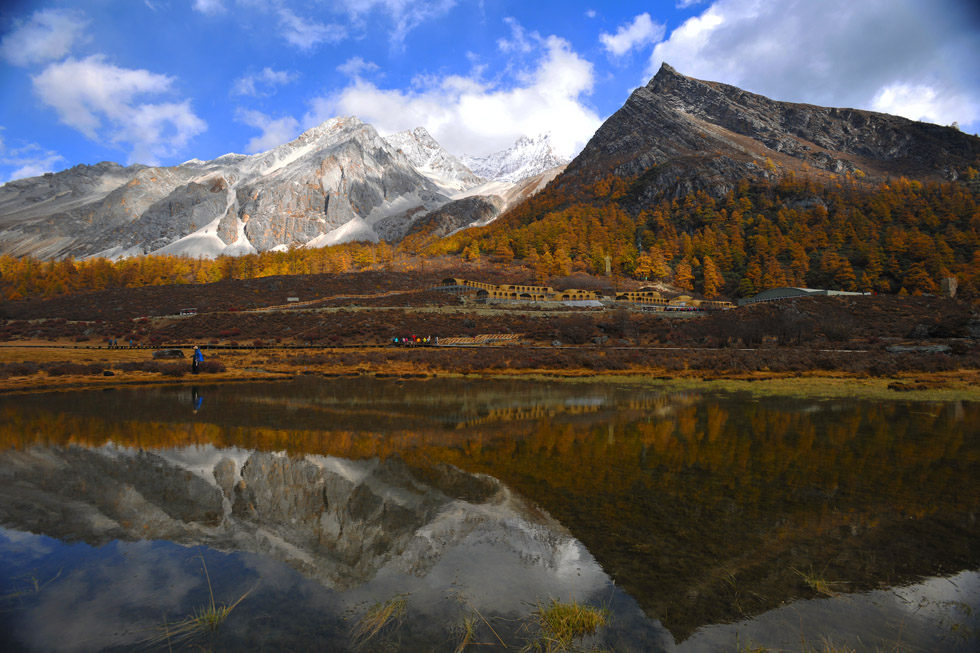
column 560, row 625
column 66, row 368
column 173, row 369
column 380, row 621
column 24, row 368
column 212, row 367
column 205, row 619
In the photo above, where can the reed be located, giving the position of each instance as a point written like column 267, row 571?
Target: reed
column 465, row 633
column 818, row 583
column 561, row 624
column 205, row 619
column 380, row 619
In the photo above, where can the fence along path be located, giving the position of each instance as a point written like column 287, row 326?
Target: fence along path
column 482, row 339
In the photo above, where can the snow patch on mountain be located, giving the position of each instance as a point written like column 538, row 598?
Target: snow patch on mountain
column 526, row 158
column 355, row 230
column 432, row 160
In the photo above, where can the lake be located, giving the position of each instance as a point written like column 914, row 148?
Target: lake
column 400, row 515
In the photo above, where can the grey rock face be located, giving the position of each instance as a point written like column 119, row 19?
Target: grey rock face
column 684, row 134
column 334, row 173
column 357, row 177
column 90, row 208
column 185, row 210
column 525, row 158
column 433, row 161
column 339, row 521
column 456, row 215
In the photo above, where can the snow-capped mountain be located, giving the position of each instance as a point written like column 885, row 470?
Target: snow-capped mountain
column 337, row 182
column 526, row 158
column 433, row 161
column 329, row 185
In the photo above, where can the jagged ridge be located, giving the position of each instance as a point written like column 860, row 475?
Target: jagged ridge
column 433, row 161
column 526, row 158
column 708, row 136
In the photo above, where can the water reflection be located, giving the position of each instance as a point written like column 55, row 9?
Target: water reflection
column 694, row 517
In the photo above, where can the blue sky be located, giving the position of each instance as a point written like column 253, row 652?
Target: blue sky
column 163, row 81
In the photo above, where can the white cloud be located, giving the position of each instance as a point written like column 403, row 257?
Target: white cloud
column 102, row 101
column 209, row 7
column 642, row 31
column 275, row 132
column 910, row 57
column 29, row 161
column 922, row 102
column 263, row 84
column 319, row 22
column 357, row 66
column 48, row 35
column 405, row 15
column 470, row 116
column 306, row 33
column 590, row 13
column 519, row 40
column 684, row 4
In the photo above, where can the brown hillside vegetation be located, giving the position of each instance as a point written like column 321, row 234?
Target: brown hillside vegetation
column 341, row 331
column 900, row 237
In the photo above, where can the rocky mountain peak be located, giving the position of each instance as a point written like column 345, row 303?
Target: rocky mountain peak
column 703, row 135
column 330, row 184
column 527, row 157
column 433, row 161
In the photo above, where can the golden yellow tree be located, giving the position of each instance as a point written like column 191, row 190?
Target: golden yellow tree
column 713, row 280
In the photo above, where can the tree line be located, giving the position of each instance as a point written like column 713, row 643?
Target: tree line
column 903, row 236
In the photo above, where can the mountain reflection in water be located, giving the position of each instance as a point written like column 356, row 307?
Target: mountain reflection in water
column 694, row 518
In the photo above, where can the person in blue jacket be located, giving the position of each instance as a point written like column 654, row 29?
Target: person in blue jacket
column 196, row 360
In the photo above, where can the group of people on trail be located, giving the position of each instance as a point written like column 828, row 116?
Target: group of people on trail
column 415, row 341
column 114, row 342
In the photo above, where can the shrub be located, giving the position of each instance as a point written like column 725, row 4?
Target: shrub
column 173, row 369
column 577, row 329
column 69, row 369
column 25, row 368
column 212, row 367
column 837, row 330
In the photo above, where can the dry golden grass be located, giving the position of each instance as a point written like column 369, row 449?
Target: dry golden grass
column 205, row 619
column 562, row 624
column 380, row 619
column 243, row 369
column 249, row 365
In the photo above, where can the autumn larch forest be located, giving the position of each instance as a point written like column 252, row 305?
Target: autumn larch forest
column 900, row 236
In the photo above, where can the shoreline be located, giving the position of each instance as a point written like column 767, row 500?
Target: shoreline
column 248, row 366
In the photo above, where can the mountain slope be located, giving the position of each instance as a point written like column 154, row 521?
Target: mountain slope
column 525, row 158
column 707, row 136
column 433, row 161
column 338, row 173
column 720, row 191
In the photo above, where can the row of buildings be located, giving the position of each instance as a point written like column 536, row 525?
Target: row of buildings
column 488, row 292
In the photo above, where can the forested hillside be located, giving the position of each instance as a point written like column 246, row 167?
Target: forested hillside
column 900, row 236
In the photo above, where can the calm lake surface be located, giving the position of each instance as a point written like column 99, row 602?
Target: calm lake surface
column 700, row 521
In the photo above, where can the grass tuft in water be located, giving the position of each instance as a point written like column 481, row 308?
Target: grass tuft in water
column 818, row 583
column 465, row 633
column 205, row 619
column 34, row 586
column 561, row 624
column 380, row 620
